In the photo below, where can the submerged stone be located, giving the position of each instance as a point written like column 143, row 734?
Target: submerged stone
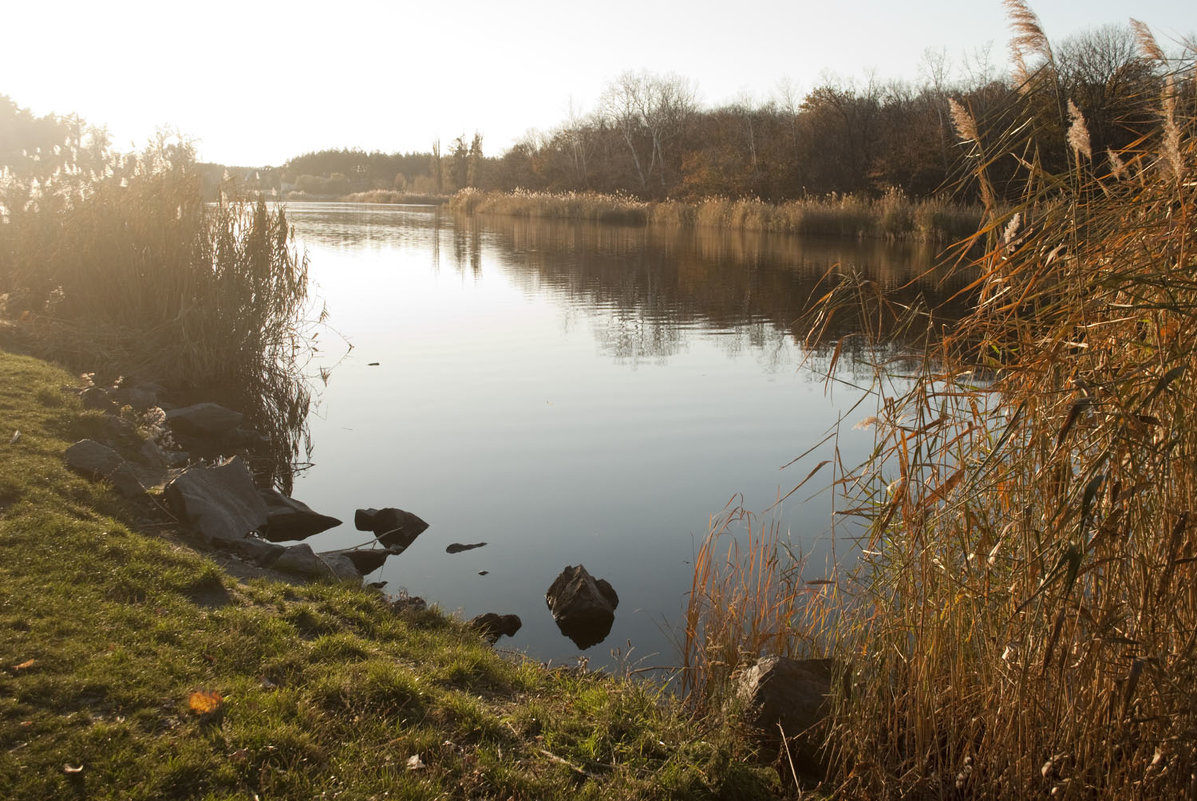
column 492, row 626
column 582, row 606
column 457, row 547
column 394, row 528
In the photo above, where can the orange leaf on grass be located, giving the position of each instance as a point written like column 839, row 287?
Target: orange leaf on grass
column 204, row 702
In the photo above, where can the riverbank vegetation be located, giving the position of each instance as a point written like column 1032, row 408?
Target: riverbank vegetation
column 1020, row 622
column 133, row 668
column 891, row 216
column 114, row 263
column 648, row 137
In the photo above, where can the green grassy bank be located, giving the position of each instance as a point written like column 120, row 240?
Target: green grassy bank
column 107, row 632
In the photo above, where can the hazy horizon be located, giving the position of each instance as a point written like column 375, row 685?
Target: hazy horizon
column 255, row 86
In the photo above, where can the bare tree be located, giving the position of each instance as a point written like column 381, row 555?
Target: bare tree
column 575, row 134
column 1101, row 71
column 978, row 67
column 650, row 112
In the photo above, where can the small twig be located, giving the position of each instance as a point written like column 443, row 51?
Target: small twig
column 789, row 758
column 567, row 763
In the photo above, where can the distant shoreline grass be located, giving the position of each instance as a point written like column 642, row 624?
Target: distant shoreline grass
column 303, row 691
column 391, row 196
column 892, row 216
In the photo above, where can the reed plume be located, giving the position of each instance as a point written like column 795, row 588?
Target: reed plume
column 1148, row 46
column 1078, row 132
column 1029, row 38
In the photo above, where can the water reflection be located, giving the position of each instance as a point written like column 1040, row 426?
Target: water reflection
column 573, row 393
column 587, row 634
column 756, row 290
column 660, row 282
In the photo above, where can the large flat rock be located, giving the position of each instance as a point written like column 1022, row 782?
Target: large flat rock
column 219, row 503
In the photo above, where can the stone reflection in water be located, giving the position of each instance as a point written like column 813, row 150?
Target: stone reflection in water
column 586, row 635
column 582, row 606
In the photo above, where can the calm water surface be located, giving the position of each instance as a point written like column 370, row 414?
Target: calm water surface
column 566, row 393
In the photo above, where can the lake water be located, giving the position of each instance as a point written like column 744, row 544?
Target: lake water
column 569, row 394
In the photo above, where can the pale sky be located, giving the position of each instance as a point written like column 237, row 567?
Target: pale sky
column 255, row 83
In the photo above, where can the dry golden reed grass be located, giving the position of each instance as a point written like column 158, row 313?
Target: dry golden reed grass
column 892, row 216
column 1022, row 621
column 137, row 276
column 743, row 599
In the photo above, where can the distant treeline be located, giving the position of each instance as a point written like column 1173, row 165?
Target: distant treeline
column 648, row 138
column 344, row 172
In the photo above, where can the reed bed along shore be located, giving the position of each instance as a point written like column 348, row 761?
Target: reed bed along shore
column 1021, row 621
column 129, row 273
column 892, row 216
column 391, row 196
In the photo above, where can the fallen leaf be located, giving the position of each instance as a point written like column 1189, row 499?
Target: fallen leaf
column 204, row 702
column 72, row 769
column 415, row 763
column 28, row 663
column 16, row 435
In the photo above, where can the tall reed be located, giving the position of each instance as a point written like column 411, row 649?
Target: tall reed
column 140, row 278
column 1022, row 621
column 743, row 600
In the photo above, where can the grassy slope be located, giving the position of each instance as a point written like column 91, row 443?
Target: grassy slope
column 105, row 632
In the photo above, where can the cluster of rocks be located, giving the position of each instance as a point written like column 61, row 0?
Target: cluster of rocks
column 582, row 606
column 218, row 501
column 221, row 504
